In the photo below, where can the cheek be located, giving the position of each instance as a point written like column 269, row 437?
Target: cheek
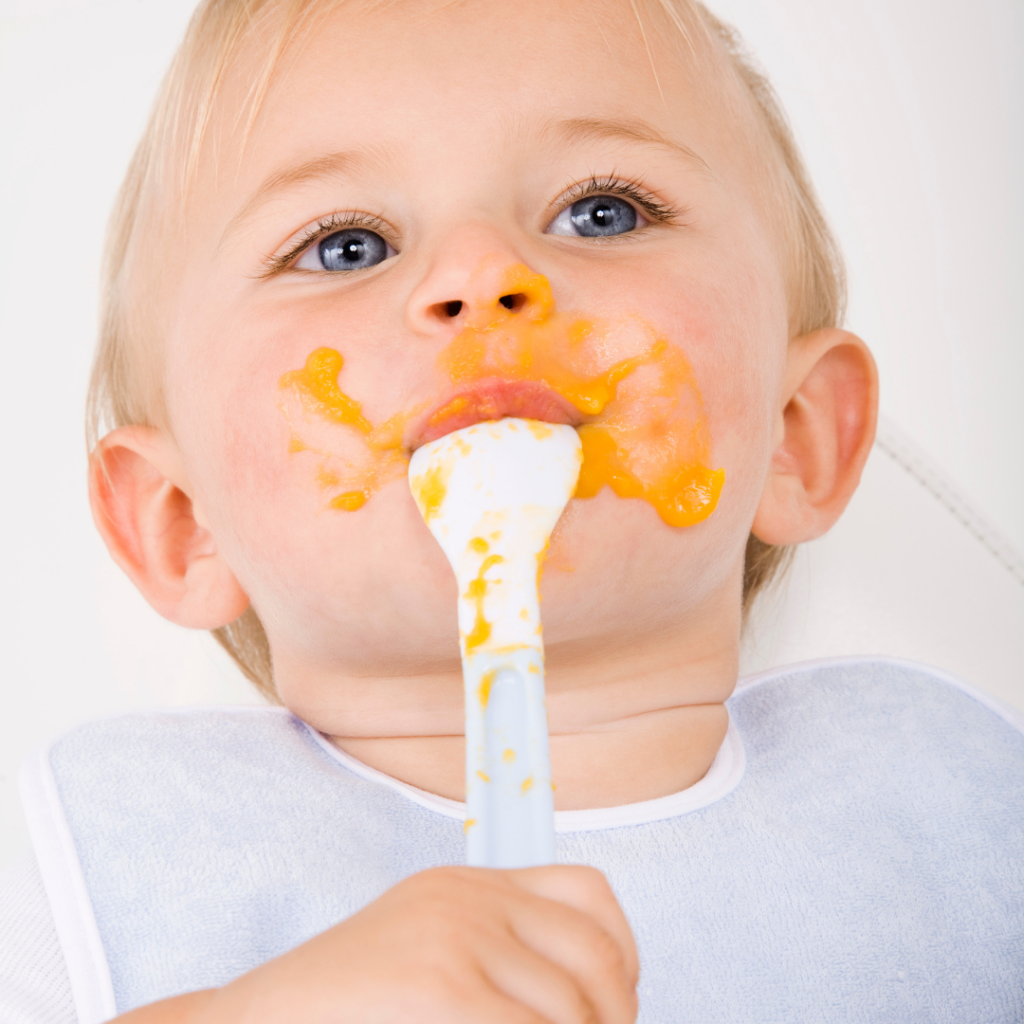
column 730, row 318
column 224, row 403
column 226, row 400
column 265, row 495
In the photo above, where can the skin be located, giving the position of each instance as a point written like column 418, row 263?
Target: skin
column 207, row 512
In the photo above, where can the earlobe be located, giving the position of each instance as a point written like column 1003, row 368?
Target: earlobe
column 141, row 505
column 828, row 411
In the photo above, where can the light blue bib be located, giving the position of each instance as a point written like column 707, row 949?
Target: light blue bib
column 866, row 865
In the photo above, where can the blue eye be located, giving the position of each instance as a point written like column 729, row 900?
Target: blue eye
column 595, row 217
column 352, row 249
column 602, row 215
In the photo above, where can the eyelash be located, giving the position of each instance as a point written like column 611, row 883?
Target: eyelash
column 628, row 188
column 321, row 229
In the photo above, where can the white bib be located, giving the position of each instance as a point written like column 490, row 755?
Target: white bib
column 866, row 865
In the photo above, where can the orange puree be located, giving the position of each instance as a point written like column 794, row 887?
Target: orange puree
column 432, row 488
column 477, row 592
column 317, row 384
column 682, row 497
column 642, row 420
column 651, row 443
column 533, row 343
column 316, row 387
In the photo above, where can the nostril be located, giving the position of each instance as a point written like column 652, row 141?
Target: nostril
column 513, row 302
column 446, row 310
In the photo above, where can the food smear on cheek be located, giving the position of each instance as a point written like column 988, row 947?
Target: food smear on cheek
column 317, row 384
column 630, row 391
column 380, row 457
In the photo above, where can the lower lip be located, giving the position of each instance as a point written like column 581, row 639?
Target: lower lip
column 495, row 401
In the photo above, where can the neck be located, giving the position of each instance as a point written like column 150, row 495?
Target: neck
column 639, row 758
column 633, row 723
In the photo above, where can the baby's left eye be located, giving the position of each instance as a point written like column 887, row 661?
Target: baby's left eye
column 596, row 217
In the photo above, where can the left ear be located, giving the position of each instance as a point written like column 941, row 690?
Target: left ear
column 825, row 429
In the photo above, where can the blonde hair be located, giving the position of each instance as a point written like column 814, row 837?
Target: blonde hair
column 125, row 388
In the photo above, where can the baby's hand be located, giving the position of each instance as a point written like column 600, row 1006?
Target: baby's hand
column 447, row 946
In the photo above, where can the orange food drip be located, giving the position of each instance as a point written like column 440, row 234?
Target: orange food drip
column 348, row 501
column 644, row 430
column 484, row 690
column 432, row 489
column 481, row 631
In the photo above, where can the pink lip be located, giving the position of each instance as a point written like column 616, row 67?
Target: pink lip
column 493, row 400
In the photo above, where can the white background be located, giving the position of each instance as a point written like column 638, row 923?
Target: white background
column 911, row 117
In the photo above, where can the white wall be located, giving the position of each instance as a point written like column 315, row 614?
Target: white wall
column 911, row 116
column 910, row 113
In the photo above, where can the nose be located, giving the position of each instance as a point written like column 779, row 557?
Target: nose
column 476, row 285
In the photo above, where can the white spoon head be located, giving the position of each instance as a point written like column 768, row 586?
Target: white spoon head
column 491, row 494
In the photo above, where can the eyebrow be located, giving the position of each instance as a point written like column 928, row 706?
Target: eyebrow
column 582, row 129
column 331, row 165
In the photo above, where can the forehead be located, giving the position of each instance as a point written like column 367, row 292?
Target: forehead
column 478, row 78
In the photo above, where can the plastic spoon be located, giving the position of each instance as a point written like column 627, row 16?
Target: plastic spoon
column 491, row 495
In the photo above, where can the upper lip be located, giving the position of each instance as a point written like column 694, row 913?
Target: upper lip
column 492, row 399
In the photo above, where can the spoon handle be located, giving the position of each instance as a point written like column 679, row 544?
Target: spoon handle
column 509, row 805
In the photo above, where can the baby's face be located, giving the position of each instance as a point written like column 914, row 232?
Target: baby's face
column 447, row 158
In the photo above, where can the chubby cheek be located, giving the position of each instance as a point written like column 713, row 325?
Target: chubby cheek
column 306, row 566
column 729, row 314
column 616, row 563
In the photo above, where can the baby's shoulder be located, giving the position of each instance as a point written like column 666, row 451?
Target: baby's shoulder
column 199, row 736
column 874, row 690
column 880, row 724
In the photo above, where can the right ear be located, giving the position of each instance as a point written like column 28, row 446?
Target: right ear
column 142, row 505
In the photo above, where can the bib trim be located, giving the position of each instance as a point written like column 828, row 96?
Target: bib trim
column 66, row 891
column 722, row 778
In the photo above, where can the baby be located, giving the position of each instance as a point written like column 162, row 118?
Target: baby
column 352, row 228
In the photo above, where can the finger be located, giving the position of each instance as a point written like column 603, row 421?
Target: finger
column 536, row 982
column 573, row 941
column 586, row 890
column 428, row 992
column 451, row 1001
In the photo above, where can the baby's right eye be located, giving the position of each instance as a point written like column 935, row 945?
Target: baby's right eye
column 349, row 249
